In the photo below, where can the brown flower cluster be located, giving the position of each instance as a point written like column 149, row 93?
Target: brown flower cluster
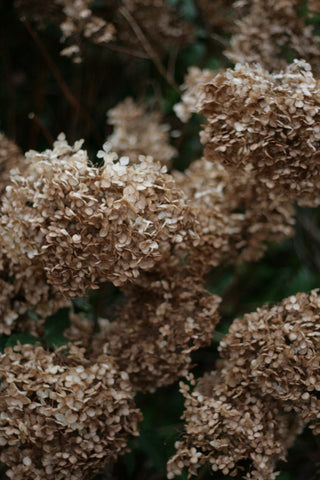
column 268, row 125
column 139, row 132
column 62, row 416
column 269, row 30
column 264, row 391
column 84, row 225
column 139, row 25
column 161, row 323
column 236, row 218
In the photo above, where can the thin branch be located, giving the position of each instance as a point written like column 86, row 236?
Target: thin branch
column 52, row 66
column 148, row 47
column 127, row 51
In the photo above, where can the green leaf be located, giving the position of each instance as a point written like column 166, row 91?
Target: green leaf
column 152, row 445
column 3, row 342
column 23, row 338
column 55, row 326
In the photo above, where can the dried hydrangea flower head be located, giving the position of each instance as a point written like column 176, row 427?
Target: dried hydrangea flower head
column 159, row 326
column 280, row 354
column 139, row 132
column 86, row 225
column 228, row 429
column 62, row 416
column 269, row 30
column 268, row 124
column 10, row 157
column 236, row 218
column 263, row 392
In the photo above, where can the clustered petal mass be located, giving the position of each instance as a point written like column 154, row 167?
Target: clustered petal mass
column 267, row 124
column 62, row 416
column 264, row 391
column 84, row 225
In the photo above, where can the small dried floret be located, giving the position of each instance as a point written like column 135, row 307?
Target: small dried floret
column 159, row 326
column 62, row 416
column 268, row 124
column 139, row 132
column 271, row 29
column 84, row 225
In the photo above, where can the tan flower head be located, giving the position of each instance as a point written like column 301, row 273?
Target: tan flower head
column 261, row 395
column 139, row 132
column 84, row 225
column 159, row 327
column 267, row 124
column 62, row 416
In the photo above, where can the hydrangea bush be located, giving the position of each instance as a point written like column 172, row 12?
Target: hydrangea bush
column 159, row 231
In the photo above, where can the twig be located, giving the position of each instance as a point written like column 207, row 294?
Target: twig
column 54, row 69
column 60, row 81
column 127, row 51
column 148, row 47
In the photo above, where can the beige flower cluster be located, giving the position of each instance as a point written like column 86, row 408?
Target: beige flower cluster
column 62, row 416
column 269, row 30
column 268, row 125
column 159, row 326
column 264, row 391
column 84, row 225
column 139, row 132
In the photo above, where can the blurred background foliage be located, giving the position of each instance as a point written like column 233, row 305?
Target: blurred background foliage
column 42, row 94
